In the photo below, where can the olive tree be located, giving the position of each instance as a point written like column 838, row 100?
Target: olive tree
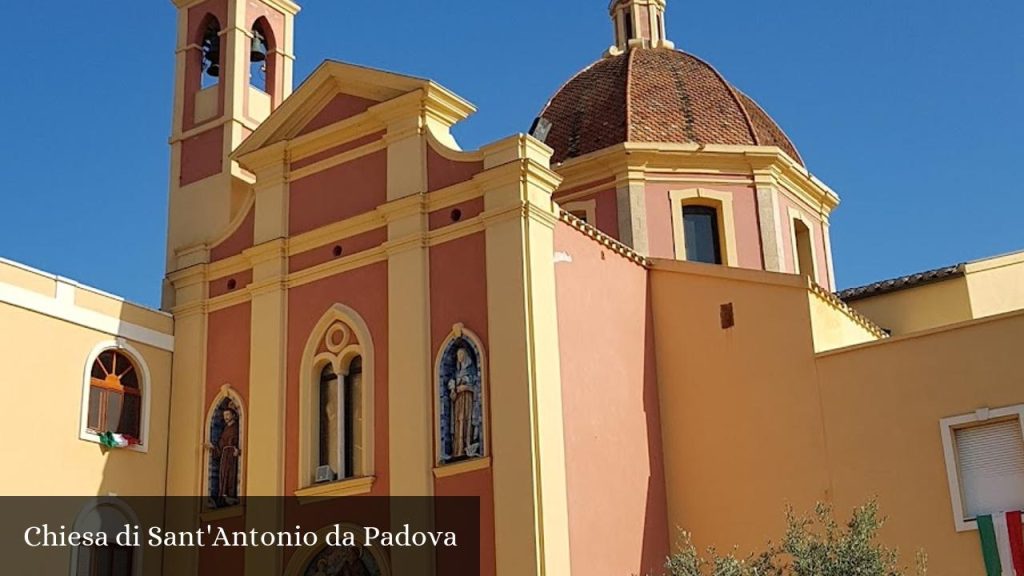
column 813, row 545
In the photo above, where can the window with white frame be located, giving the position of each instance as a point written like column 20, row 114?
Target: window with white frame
column 115, row 396
column 336, row 403
column 985, row 463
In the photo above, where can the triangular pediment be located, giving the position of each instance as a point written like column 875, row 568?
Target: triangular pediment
column 333, row 92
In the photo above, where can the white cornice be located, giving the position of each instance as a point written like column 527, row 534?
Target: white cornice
column 62, row 307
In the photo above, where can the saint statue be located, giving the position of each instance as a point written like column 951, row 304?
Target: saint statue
column 225, row 453
column 461, row 394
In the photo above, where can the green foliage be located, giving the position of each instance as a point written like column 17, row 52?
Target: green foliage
column 815, row 545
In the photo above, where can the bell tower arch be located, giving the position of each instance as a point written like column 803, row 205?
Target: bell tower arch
column 233, row 67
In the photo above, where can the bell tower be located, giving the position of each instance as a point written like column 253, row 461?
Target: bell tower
column 233, row 66
column 639, row 23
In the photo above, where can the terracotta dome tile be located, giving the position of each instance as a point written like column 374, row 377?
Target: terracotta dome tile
column 655, row 95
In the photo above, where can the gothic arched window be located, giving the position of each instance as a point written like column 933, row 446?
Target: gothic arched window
column 259, row 56
column 340, row 421
column 115, row 396
column 209, row 45
column 336, row 402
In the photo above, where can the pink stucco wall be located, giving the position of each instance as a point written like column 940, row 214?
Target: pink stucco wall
column 445, row 216
column 365, row 290
column 349, row 246
column 744, row 207
column 231, row 283
column 458, row 294
column 237, row 240
column 616, row 485
column 606, row 211
column 339, row 149
column 443, row 172
column 817, row 231
column 202, row 156
column 227, row 341
column 340, row 192
column 339, row 108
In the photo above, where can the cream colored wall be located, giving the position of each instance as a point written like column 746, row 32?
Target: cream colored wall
column 996, row 285
column 919, row 308
column 45, row 345
column 881, row 407
column 986, row 288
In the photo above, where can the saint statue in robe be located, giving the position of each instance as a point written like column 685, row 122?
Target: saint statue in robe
column 462, row 394
column 224, row 457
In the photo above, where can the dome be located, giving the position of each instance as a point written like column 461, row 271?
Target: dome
column 655, row 95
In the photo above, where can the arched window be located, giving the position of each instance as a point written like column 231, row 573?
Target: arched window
column 211, row 52
column 340, row 421
column 109, row 516
column 259, row 56
column 336, row 401
column 701, row 235
column 115, row 397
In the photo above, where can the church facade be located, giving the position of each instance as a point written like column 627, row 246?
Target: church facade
column 621, row 324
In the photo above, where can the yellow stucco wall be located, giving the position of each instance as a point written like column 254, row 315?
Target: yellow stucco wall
column 882, row 404
column 754, row 420
column 740, row 408
column 985, row 288
column 835, row 325
column 919, row 308
column 47, row 339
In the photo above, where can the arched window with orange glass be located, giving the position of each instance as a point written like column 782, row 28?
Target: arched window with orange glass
column 115, row 397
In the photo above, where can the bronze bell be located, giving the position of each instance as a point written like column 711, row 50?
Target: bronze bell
column 258, row 51
column 211, row 54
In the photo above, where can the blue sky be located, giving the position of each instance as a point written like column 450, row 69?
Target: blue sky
column 910, row 110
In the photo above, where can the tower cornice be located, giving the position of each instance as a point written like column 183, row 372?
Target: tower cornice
column 286, row 6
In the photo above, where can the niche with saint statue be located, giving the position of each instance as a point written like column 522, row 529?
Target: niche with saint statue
column 460, row 375
column 224, row 454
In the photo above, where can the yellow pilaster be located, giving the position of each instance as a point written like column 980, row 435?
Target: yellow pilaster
column 185, row 453
column 632, row 210
column 265, row 458
column 530, row 507
column 410, row 438
column 768, row 221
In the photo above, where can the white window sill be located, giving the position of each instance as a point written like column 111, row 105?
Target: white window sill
column 972, row 525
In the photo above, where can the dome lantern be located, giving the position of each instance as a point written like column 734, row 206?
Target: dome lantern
column 638, row 23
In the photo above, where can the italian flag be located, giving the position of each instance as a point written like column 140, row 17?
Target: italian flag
column 1002, row 544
